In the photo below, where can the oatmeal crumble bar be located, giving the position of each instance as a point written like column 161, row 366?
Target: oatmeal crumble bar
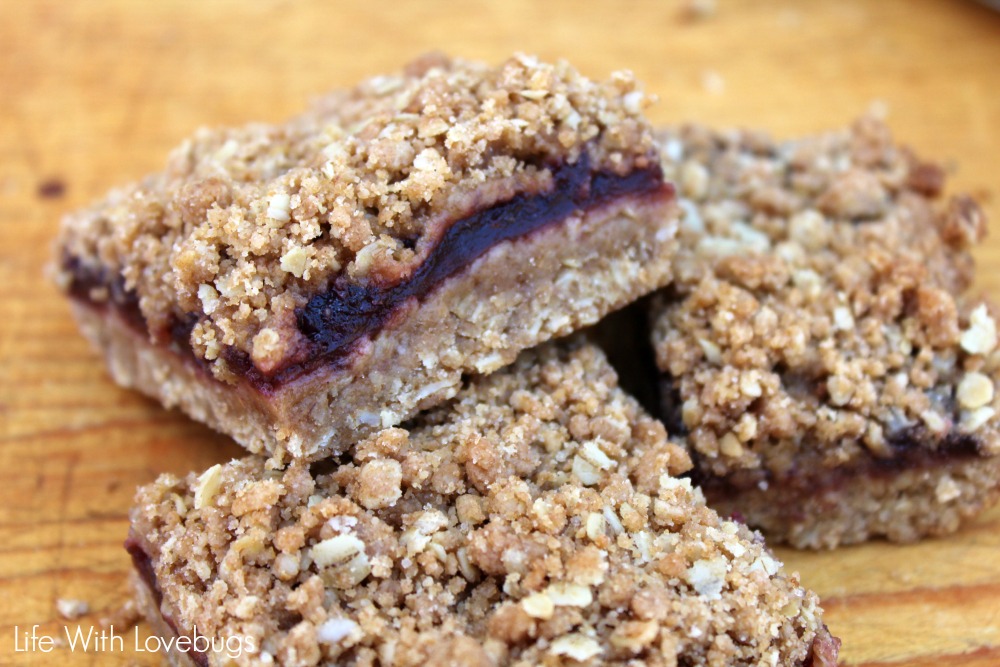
column 535, row 520
column 301, row 285
column 831, row 384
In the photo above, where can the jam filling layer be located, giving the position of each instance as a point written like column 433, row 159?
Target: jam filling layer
column 911, row 450
column 335, row 320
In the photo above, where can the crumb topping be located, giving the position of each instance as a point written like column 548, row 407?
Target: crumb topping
column 245, row 224
column 815, row 319
column 534, row 520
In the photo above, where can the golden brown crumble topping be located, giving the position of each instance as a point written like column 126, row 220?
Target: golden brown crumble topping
column 534, row 520
column 245, row 224
column 816, row 318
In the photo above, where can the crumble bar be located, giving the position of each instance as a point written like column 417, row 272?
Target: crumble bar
column 830, row 385
column 298, row 286
column 534, row 520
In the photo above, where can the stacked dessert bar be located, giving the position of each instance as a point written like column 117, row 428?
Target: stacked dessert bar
column 369, row 296
column 302, row 286
column 818, row 357
column 537, row 518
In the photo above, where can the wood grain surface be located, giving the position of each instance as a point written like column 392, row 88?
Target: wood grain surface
column 94, row 93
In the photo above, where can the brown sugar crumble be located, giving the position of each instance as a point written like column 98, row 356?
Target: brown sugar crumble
column 536, row 519
column 814, row 335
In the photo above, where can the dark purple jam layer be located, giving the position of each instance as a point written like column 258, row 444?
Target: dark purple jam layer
column 86, row 279
column 337, row 319
column 912, row 450
column 334, row 320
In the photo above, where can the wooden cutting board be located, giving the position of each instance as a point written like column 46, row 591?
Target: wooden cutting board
column 95, row 93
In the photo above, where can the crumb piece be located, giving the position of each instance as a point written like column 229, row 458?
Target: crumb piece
column 964, row 224
column 841, row 389
column 569, row 595
column 694, row 180
column 635, row 635
column 856, row 195
column 730, row 445
column 708, row 577
column 72, row 609
column 278, row 207
column 947, row 490
column 286, row 566
column 596, row 526
column 974, row 391
column 973, row 420
column 713, row 83
column 336, row 630
column 576, row 646
column 208, row 486
column 295, row 261
column 379, row 483
column 337, row 550
column 470, row 510
column 981, row 336
column 538, row 605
